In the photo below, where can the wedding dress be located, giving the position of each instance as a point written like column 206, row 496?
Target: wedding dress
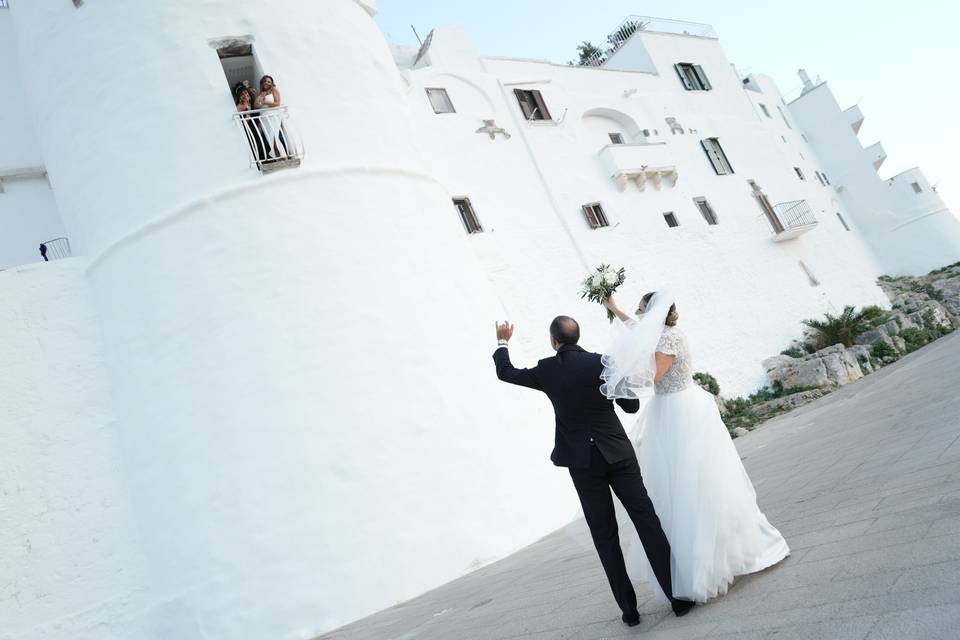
column 693, row 473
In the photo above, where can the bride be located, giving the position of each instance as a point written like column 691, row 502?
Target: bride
column 706, row 503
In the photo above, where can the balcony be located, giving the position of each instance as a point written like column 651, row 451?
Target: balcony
column 55, row 249
column 272, row 141
column 631, row 24
column 640, row 163
column 854, row 117
column 791, row 220
column 876, row 154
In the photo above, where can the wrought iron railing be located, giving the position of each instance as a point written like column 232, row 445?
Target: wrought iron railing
column 631, row 24
column 272, row 140
column 795, row 214
column 4, row 4
column 55, row 249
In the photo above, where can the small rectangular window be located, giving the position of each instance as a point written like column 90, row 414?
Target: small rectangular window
column 799, row 173
column 616, row 138
column 784, row 116
column 671, row 219
column 440, row 101
column 766, row 111
column 467, row 215
column 711, row 146
column 596, row 218
column 819, row 178
column 843, row 222
column 692, row 77
column 825, row 178
column 532, row 104
column 706, row 210
column 916, row 187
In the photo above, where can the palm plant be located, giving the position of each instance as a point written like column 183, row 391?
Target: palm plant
column 845, row 327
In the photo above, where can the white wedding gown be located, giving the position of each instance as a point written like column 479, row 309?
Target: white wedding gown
column 701, row 492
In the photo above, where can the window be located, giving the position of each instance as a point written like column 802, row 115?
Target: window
column 843, row 222
column 692, row 77
column 467, row 215
column 799, row 173
column 784, row 116
column 825, row 178
column 671, row 219
column 616, row 138
column 705, row 210
column 717, row 157
column 916, row 187
column 804, row 136
column 595, row 215
column 532, row 104
column 440, row 101
column 766, row 111
column 820, row 177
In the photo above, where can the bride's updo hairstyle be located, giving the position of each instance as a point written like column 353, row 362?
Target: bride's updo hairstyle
column 672, row 317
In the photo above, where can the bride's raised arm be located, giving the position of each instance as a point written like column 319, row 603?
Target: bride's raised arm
column 611, row 304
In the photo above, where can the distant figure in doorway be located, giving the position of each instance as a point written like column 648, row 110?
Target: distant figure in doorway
column 43, row 252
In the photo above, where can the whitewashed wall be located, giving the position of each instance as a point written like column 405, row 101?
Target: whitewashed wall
column 742, row 296
column 28, row 212
column 309, row 418
column 68, row 544
column 911, row 233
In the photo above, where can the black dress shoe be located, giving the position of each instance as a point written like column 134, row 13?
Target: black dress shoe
column 682, row 607
column 631, row 619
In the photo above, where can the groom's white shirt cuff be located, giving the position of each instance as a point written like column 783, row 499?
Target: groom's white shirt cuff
column 502, row 343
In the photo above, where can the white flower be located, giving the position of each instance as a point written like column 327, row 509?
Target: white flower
column 595, row 280
column 610, row 277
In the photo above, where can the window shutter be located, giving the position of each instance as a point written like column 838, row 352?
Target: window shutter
column 702, row 77
column 591, row 216
column 541, row 105
column 524, row 105
column 683, row 77
column 711, row 155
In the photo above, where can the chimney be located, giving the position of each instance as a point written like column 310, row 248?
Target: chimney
column 807, row 85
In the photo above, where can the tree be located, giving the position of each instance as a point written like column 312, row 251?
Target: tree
column 845, row 328
column 587, row 51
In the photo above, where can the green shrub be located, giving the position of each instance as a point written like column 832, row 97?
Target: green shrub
column 708, row 382
column 793, row 352
column 883, row 350
column 843, row 328
column 927, row 288
column 942, row 269
column 916, row 337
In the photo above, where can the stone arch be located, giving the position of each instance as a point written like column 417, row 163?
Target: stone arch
column 600, row 118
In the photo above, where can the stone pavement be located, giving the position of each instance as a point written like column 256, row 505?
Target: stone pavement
column 865, row 486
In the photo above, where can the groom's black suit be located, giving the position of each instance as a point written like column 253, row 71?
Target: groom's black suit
column 590, row 441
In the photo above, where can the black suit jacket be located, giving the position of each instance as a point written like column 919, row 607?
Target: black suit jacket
column 571, row 379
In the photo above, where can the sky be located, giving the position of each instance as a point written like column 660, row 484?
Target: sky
column 896, row 59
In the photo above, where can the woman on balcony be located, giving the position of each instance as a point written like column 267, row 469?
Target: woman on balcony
column 269, row 98
column 259, row 142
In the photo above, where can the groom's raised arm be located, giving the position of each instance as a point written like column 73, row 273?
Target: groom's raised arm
column 505, row 369
column 630, row 406
column 509, row 373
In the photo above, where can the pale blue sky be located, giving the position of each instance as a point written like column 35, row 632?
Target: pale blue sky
column 897, row 59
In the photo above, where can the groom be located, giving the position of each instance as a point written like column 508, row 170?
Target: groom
column 591, row 442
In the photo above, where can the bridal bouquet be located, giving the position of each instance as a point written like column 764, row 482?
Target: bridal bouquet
column 601, row 283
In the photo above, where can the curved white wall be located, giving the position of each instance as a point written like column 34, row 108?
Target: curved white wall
column 310, row 420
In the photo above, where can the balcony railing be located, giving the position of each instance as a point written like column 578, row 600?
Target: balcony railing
column 631, row 24
column 273, row 142
column 795, row 219
column 55, row 249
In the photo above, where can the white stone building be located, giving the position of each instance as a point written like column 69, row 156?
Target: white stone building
column 258, row 401
column 903, row 218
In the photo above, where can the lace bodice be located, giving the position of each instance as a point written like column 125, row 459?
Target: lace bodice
column 680, row 374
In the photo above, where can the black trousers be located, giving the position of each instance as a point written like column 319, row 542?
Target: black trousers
column 593, row 486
